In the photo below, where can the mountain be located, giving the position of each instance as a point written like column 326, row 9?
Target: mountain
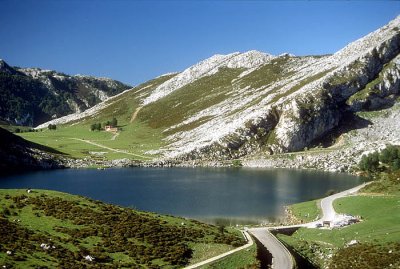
column 30, row 96
column 244, row 104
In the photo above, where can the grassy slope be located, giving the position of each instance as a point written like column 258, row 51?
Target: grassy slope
column 77, row 226
column 306, row 211
column 378, row 233
column 189, row 100
column 136, row 137
column 245, row 258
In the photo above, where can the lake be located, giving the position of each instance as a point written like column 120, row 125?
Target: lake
column 234, row 195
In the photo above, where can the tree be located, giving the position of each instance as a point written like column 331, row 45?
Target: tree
column 107, row 123
column 396, row 164
column 93, row 127
column 389, row 154
column 52, row 127
column 370, row 162
column 114, row 122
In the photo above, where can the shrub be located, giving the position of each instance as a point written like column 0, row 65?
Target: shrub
column 52, row 127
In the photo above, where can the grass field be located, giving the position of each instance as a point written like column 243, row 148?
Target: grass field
column 134, row 138
column 378, row 231
column 246, row 258
column 77, row 227
column 306, row 211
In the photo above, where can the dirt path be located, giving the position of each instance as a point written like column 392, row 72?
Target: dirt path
column 111, row 149
column 135, row 114
column 114, row 136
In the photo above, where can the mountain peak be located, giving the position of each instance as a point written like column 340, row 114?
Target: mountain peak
column 5, row 68
column 369, row 42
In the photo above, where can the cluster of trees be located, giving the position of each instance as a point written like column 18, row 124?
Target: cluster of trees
column 19, row 130
column 97, row 126
column 143, row 237
column 52, row 127
column 389, row 158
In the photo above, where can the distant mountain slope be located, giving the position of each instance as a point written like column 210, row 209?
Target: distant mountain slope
column 30, row 96
column 230, row 106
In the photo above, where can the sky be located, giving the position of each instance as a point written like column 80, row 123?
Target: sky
column 134, row 41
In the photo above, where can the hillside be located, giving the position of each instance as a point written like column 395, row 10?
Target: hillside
column 258, row 107
column 50, row 229
column 17, row 153
column 31, row 96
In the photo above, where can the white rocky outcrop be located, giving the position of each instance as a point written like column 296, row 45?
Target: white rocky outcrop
column 210, row 66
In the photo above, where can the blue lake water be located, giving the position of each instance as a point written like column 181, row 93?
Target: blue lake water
column 207, row 194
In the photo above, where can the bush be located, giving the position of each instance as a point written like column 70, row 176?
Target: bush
column 95, row 126
column 396, row 164
column 52, row 127
column 389, row 158
column 237, row 163
column 370, row 162
column 389, row 154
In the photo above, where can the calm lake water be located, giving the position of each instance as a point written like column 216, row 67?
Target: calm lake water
column 207, row 194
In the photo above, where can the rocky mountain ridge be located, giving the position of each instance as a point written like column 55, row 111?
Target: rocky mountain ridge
column 30, row 96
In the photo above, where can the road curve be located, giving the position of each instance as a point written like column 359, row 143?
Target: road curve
column 328, row 212
column 281, row 257
column 215, row 258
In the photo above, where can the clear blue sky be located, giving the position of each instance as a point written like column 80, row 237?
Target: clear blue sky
column 134, row 41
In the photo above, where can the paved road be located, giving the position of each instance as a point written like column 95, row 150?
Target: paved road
column 213, row 259
column 282, row 259
column 328, row 212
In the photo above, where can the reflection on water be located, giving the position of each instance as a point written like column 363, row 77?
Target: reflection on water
column 234, row 195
